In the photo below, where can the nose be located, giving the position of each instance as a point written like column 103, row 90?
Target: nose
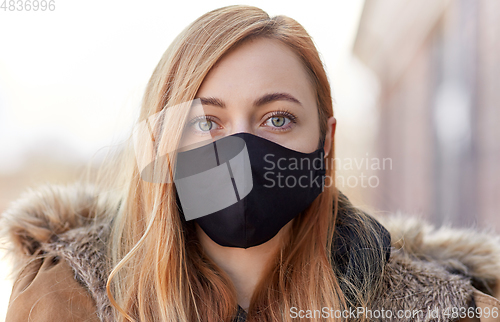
column 240, row 123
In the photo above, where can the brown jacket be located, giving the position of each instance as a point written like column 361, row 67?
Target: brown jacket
column 53, row 237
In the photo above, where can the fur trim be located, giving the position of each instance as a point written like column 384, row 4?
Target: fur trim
column 41, row 215
column 466, row 252
column 84, row 248
column 429, row 270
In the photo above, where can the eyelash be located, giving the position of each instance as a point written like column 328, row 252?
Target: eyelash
column 284, row 113
column 281, row 112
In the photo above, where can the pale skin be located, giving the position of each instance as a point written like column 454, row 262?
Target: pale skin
column 254, row 69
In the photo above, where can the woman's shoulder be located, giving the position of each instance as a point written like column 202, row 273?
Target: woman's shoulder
column 56, row 236
column 440, row 270
column 487, row 308
column 46, row 290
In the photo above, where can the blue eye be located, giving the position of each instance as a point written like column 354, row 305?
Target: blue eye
column 203, row 124
column 280, row 119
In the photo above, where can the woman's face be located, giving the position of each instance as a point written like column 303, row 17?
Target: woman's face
column 262, row 88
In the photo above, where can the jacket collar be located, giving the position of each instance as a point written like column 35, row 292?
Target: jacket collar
column 429, row 269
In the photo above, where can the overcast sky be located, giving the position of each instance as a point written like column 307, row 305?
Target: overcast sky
column 71, row 79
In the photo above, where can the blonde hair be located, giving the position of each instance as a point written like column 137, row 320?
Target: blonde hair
column 159, row 271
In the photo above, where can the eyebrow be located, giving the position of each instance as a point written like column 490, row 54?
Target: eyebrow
column 267, row 98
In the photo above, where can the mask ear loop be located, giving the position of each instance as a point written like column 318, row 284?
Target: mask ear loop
column 322, row 144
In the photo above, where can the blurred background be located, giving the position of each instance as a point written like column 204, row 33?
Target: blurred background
column 415, row 82
column 438, row 106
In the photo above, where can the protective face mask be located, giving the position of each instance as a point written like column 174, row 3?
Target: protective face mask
column 242, row 189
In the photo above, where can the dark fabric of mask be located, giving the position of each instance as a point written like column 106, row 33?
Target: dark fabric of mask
column 271, row 184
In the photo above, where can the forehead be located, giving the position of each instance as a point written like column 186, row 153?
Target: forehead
column 257, row 65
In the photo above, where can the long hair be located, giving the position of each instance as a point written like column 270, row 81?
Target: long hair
column 158, row 271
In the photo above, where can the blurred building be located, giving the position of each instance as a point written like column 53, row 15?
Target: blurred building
column 438, row 64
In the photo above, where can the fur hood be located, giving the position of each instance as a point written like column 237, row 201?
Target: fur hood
column 429, row 269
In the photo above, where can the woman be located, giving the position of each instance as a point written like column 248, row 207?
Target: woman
column 234, row 102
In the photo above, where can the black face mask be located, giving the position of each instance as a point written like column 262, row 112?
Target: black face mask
column 242, row 189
